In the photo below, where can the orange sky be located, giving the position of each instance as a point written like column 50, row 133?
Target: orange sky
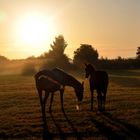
column 110, row 26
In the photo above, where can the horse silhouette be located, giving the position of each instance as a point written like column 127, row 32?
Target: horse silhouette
column 98, row 80
column 54, row 80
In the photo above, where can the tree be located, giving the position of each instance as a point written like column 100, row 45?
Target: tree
column 59, row 45
column 85, row 54
column 138, row 53
column 56, row 56
column 3, row 59
column 58, row 48
column 29, row 69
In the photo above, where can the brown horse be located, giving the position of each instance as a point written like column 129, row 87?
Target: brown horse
column 48, row 85
column 55, row 80
column 98, row 81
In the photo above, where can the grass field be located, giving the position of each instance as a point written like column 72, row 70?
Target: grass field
column 20, row 114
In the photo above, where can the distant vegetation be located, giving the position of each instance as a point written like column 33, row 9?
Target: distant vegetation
column 3, row 59
column 28, row 69
column 56, row 57
column 138, row 53
column 85, row 54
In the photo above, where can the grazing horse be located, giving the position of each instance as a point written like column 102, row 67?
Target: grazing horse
column 98, row 80
column 47, row 84
column 55, row 80
column 68, row 80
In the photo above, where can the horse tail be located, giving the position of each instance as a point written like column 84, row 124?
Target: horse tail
column 37, row 77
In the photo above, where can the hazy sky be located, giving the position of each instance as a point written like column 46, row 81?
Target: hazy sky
column 110, row 26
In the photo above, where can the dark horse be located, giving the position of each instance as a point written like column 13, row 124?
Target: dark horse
column 54, row 80
column 98, row 80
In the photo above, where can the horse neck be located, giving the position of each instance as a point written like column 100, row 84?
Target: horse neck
column 65, row 78
column 72, row 82
column 92, row 74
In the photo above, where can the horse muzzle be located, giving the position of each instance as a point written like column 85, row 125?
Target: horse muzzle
column 78, row 106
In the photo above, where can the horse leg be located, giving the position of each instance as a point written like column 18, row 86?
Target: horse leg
column 104, row 91
column 44, row 103
column 104, row 100
column 99, row 97
column 92, row 100
column 61, row 98
column 52, row 95
column 40, row 98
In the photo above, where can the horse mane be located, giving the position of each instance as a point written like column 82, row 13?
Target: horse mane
column 65, row 78
column 60, row 76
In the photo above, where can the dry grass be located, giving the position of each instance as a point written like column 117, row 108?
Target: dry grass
column 20, row 114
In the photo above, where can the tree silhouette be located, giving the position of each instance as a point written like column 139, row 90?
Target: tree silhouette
column 56, row 55
column 59, row 45
column 85, row 54
column 138, row 53
column 3, row 58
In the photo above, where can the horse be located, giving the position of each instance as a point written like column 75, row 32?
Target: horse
column 54, row 80
column 68, row 80
column 98, row 80
column 47, row 84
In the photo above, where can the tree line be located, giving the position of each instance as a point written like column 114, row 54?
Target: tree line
column 86, row 53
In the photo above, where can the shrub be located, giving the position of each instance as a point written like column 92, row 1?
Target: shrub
column 29, row 69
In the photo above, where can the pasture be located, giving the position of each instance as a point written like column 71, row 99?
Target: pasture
column 20, row 112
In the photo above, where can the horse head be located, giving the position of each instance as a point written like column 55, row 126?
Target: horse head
column 89, row 69
column 79, row 91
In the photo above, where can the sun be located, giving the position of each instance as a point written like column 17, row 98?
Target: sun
column 34, row 29
column 33, row 33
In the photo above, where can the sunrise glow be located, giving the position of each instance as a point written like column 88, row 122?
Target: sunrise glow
column 34, row 29
column 29, row 27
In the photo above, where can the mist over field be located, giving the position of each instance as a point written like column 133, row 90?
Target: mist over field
column 14, row 67
column 8, row 68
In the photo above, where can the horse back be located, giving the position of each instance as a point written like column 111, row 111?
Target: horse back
column 46, row 84
column 44, row 81
column 60, row 75
column 100, row 79
column 64, row 78
column 102, row 76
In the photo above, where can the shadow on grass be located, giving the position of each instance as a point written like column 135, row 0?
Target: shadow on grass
column 108, row 127
column 62, row 134
column 114, row 129
column 126, row 81
column 46, row 134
